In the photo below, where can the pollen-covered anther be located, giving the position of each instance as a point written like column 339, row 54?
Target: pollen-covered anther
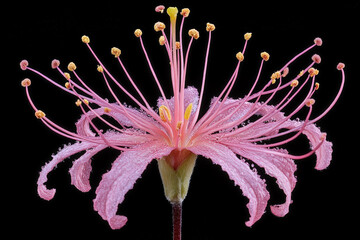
column 240, row 56
column 86, row 101
column 247, row 36
column 340, row 66
column 100, row 69
column 39, row 114
column 26, row 82
column 317, row 86
column 188, row 111
column 107, row 110
column 301, row 73
column 318, row 41
column 67, row 75
column 265, row 56
column 177, row 45
column 316, row 58
column 294, row 83
column 194, row 33
column 160, row 8
column 24, row 64
column 55, row 63
column 71, row 66
column 164, row 113
column 116, row 52
column 85, row 39
column 138, row 32
column 67, row 85
column 78, row 102
column 162, row 40
column 276, row 75
column 285, row 72
column 313, row 72
column 178, row 125
column 210, row 27
column 310, row 102
column 185, row 12
column 159, row 26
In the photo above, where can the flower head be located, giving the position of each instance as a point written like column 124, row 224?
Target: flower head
column 174, row 133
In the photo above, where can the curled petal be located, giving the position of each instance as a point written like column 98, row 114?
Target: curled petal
column 66, row 152
column 126, row 169
column 252, row 186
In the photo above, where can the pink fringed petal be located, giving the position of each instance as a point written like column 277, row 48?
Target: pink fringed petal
column 252, row 186
column 66, row 152
column 126, row 169
column 281, row 168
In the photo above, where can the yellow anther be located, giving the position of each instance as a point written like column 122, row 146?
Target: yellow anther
column 273, row 81
column 85, row 39
column 86, row 101
column 313, row 72
column 67, row 75
column 78, row 102
column 247, row 36
column 39, row 114
column 194, row 33
column 301, row 73
column 185, row 12
column 172, row 12
column 100, row 69
column 26, row 82
column 164, row 113
column 107, row 110
column 67, row 85
column 188, row 111
column 276, row 75
column 317, row 86
column 178, row 125
column 265, row 56
column 240, row 56
column 162, row 40
column 294, row 83
column 310, row 102
column 115, row 51
column 138, row 32
column 159, row 26
column 177, row 44
column 210, row 27
column 72, row 66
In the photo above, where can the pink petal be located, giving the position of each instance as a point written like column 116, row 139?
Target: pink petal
column 252, row 186
column 66, row 152
column 80, row 171
column 126, row 169
column 281, row 168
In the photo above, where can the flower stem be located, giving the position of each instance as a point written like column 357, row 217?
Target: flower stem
column 177, row 215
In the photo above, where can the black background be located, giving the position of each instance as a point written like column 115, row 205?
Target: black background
column 325, row 202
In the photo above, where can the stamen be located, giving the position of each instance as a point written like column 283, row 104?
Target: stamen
column 67, row 75
column 285, row 72
column 138, row 33
column 188, row 111
column 317, row 86
column 55, row 63
column 240, row 56
column 162, row 40
column 107, row 110
column 24, row 64
column 78, row 102
column 310, row 102
column 178, row 125
column 164, row 113
column 39, row 114
column 159, row 26
column 71, row 66
column 247, row 36
column 265, row 56
column 294, row 83
column 313, row 72
column 340, row 66
column 316, row 58
column 177, row 45
column 318, row 41
column 100, row 69
column 67, row 85
column 276, row 75
column 116, row 52
column 26, row 82
column 160, row 8
column 194, row 33
column 210, row 27
column 185, row 12
column 85, row 39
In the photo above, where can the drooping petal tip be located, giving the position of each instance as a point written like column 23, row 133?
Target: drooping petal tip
column 45, row 193
column 117, row 222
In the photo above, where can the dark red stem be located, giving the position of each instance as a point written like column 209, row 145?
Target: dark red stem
column 177, row 214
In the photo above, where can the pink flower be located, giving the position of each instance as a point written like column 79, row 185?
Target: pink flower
column 232, row 132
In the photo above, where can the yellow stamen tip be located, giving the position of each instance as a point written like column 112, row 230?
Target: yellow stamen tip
column 162, row 40
column 240, row 56
column 85, row 39
column 276, row 75
column 310, row 102
column 294, row 83
column 159, row 26
column 138, row 33
column 67, row 85
column 100, row 69
column 210, row 27
column 185, row 12
column 247, row 36
column 172, row 12
column 164, row 113
column 78, row 103
column 177, row 44
column 317, row 86
column 313, row 72
column 188, row 111
column 265, row 56
column 39, row 114
column 86, row 101
column 72, row 66
column 107, row 110
column 194, row 33
column 67, row 75
column 26, row 82
column 178, row 125
column 115, row 51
